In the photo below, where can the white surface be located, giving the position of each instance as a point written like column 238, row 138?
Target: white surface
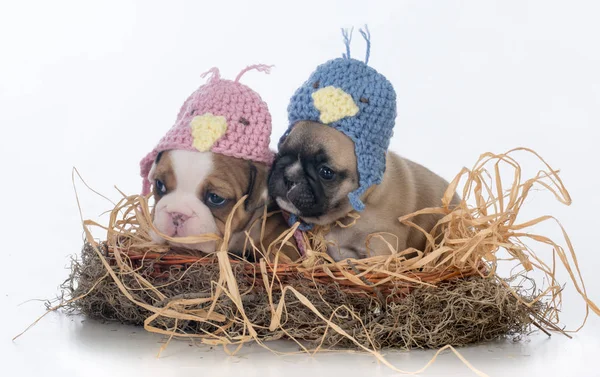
column 95, row 86
column 93, row 349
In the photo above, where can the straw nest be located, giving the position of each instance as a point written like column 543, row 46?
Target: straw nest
column 448, row 294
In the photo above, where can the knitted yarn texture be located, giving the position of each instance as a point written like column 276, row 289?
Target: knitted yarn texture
column 222, row 116
column 355, row 99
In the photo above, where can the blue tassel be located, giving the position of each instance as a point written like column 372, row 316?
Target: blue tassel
column 347, row 39
column 367, row 36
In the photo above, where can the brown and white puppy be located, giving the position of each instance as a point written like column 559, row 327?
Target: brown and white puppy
column 316, row 169
column 195, row 192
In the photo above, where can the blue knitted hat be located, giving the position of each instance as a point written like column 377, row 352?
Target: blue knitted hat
column 355, row 99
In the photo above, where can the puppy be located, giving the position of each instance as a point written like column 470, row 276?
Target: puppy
column 316, row 169
column 195, row 192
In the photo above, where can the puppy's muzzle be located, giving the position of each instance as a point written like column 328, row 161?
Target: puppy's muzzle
column 299, row 191
column 291, row 183
column 301, row 196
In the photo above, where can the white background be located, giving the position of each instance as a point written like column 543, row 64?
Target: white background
column 96, row 85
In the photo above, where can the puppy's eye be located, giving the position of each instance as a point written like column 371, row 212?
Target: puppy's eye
column 160, row 187
column 214, row 200
column 244, row 121
column 316, row 84
column 364, row 100
column 326, row 173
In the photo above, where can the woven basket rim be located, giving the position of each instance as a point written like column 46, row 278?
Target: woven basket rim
column 373, row 281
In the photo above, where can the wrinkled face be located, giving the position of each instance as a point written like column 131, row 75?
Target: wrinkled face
column 313, row 173
column 195, row 192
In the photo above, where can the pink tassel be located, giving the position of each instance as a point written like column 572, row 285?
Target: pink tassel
column 258, row 67
column 214, row 72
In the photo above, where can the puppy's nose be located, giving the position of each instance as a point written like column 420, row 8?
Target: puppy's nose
column 178, row 218
column 288, row 182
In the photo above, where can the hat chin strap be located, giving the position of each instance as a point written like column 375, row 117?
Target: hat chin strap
column 354, row 197
column 293, row 218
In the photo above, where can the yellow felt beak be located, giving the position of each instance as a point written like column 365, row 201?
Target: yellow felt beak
column 333, row 104
column 207, row 129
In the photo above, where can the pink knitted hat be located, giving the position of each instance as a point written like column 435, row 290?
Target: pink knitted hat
column 222, row 116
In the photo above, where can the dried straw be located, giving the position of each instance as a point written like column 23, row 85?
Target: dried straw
column 447, row 295
column 456, row 312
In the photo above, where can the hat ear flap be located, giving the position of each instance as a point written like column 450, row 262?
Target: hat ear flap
column 355, row 200
column 257, row 187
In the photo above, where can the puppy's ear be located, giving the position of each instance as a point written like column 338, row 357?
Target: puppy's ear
column 158, row 157
column 257, row 186
column 153, row 167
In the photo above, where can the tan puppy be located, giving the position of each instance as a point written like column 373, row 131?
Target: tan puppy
column 315, row 170
column 195, row 192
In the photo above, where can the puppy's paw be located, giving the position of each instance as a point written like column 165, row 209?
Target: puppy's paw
column 156, row 238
